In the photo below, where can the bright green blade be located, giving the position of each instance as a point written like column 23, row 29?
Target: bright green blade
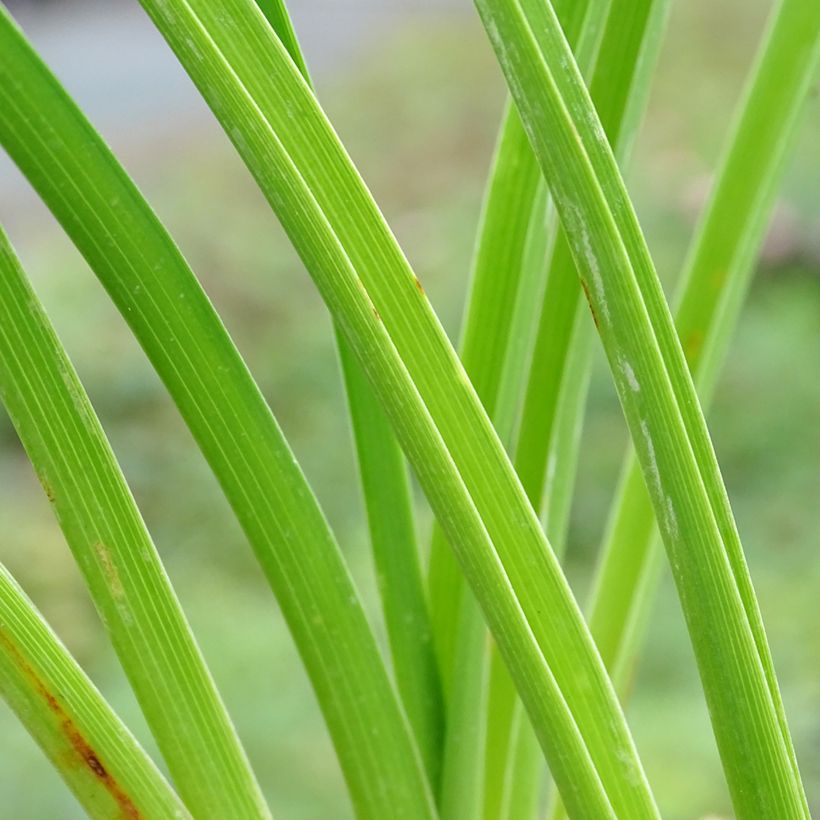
column 87, row 743
column 618, row 89
column 658, row 397
column 284, row 138
column 109, row 540
column 388, row 503
column 711, row 292
column 497, row 263
column 506, row 288
column 462, row 785
column 276, row 13
column 507, row 268
column 153, row 287
column 389, row 507
column 556, row 386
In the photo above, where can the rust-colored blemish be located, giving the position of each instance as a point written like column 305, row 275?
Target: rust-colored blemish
column 419, row 286
column 109, row 569
column 589, row 302
column 377, row 314
column 48, row 489
column 80, row 747
column 89, row 757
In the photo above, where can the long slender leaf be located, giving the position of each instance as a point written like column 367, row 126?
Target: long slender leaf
column 152, row 285
column 617, row 87
column 547, row 446
column 389, row 507
column 88, row 745
column 506, row 279
column 462, row 787
column 506, row 286
column 109, row 540
column 277, row 126
column 711, row 291
column 497, row 264
column 392, row 533
column 658, row 397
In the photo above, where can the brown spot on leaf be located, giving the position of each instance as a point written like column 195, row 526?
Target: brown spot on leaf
column 49, row 490
column 589, row 302
column 419, row 286
column 81, row 750
column 377, row 314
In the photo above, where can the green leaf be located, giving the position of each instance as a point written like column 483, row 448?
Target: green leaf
column 507, row 282
column 710, row 294
column 389, row 507
column 279, row 129
column 87, row 744
column 660, row 404
column 109, row 541
column 497, row 264
column 388, row 503
column 618, row 89
column 155, row 290
column 559, row 365
column 506, row 287
column 462, row 787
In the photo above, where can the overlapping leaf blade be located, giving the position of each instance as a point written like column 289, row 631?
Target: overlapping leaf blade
column 152, row 285
column 87, row 744
column 710, row 294
column 547, row 445
column 277, row 126
column 112, row 547
column 517, row 230
column 389, row 508
column 658, row 397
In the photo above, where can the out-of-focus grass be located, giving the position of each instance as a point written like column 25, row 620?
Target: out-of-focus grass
column 421, row 130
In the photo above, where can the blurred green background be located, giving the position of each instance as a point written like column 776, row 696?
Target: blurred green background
column 416, row 97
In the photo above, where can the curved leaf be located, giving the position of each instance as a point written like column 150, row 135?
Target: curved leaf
column 88, row 745
column 713, row 285
column 284, row 138
column 170, row 315
column 658, row 398
column 121, row 567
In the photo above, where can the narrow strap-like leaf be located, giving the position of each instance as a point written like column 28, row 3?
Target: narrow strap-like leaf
column 558, row 376
column 713, row 284
column 497, row 265
column 513, row 235
column 617, row 87
column 153, row 287
column 389, row 507
column 88, row 745
column 284, row 138
column 659, row 401
column 516, row 230
column 462, row 786
column 109, row 540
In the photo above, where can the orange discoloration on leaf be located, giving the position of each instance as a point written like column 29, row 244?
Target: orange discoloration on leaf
column 80, row 749
column 48, row 489
column 589, row 302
